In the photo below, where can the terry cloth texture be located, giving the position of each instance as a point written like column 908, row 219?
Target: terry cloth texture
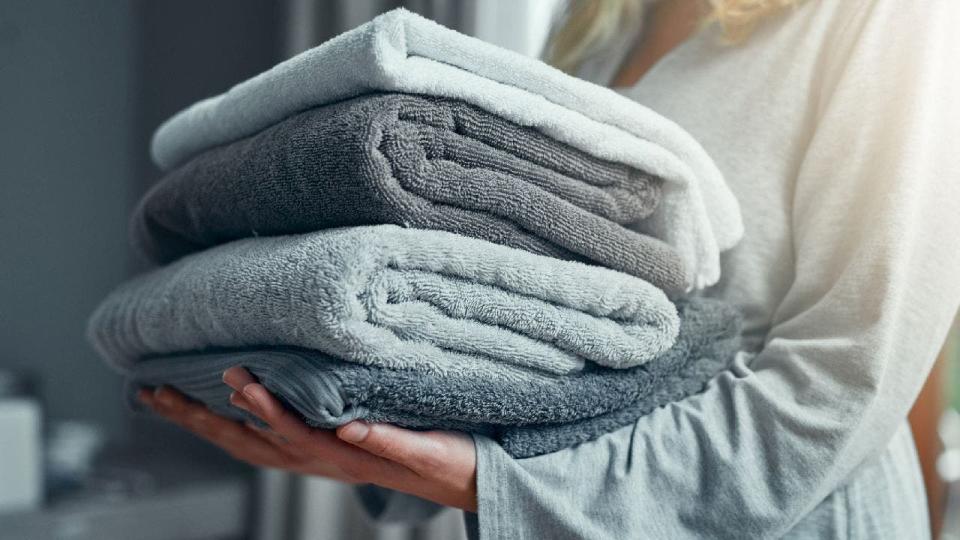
column 385, row 295
column 532, row 414
column 402, row 52
column 420, row 162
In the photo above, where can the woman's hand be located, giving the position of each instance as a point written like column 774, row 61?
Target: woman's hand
column 439, row 466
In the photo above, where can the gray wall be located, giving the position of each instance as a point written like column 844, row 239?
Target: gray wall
column 82, row 86
column 65, row 161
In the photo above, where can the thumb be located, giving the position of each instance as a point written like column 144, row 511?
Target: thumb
column 418, row 451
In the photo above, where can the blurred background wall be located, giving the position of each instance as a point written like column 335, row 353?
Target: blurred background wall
column 67, row 73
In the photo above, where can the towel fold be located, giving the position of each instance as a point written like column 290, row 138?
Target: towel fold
column 385, row 295
column 402, row 52
column 531, row 414
column 420, row 162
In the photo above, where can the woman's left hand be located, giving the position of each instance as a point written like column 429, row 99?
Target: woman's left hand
column 439, row 466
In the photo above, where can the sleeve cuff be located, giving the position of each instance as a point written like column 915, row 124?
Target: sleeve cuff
column 388, row 506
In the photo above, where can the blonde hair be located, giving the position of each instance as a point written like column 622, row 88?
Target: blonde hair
column 588, row 25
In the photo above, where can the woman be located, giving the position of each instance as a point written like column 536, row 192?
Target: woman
column 836, row 125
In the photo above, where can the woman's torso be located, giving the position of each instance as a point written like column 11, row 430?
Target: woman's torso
column 754, row 108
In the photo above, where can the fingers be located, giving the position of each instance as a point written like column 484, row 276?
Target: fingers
column 418, row 452
column 321, row 447
column 244, row 442
column 236, row 439
column 319, row 444
column 261, row 403
column 286, row 426
column 237, row 377
column 293, row 445
column 239, row 401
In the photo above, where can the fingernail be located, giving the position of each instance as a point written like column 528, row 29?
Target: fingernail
column 238, row 401
column 226, row 373
column 354, row 432
column 145, row 396
column 251, row 397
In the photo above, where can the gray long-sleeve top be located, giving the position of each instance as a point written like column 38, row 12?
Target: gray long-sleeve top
column 837, row 126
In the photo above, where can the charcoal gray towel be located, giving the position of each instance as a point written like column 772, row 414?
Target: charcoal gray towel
column 402, row 52
column 530, row 415
column 385, row 295
column 420, row 162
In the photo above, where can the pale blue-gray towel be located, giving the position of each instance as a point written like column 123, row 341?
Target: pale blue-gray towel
column 385, row 295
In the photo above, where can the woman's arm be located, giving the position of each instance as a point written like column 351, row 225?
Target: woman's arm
column 876, row 216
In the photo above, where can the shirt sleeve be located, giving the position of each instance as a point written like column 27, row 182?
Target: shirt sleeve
column 384, row 505
column 876, row 236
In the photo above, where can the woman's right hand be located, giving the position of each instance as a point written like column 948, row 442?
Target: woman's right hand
column 439, row 466
column 242, row 441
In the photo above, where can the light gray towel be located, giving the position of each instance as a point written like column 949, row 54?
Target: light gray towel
column 416, row 161
column 530, row 415
column 384, row 295
column 402, row 52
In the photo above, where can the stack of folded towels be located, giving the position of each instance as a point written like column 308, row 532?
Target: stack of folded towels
column 408, row 225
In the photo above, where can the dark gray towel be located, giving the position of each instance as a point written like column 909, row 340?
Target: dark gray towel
column 532, row 415
column 418, row 162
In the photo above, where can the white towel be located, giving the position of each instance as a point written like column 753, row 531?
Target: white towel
column 401, row 51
